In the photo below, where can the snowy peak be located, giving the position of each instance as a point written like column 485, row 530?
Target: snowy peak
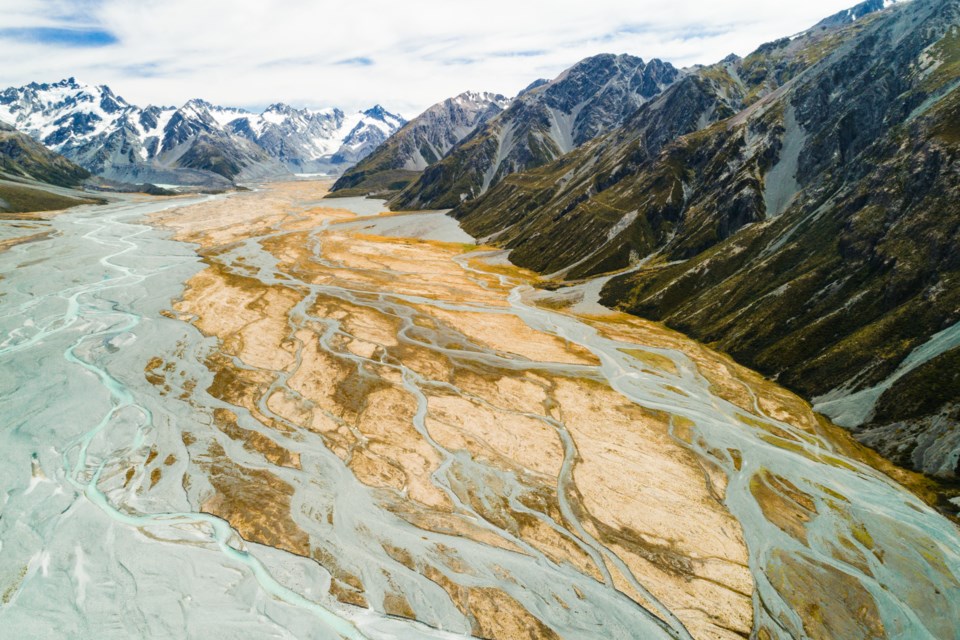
column 378, row 113
column 208, row 113
column 366, row 130
column 281, row 109
column 480, row 99
column 58, row 113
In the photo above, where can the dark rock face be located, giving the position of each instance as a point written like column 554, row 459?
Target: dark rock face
column 614, row 86
column 546, row 121
column 73, row 124
column 799, row 209
column 149, row 118
column 848, row 16
column 110, row 103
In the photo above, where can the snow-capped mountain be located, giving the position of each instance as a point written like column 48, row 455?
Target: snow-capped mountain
column 196, row 143
column 312, row 141
column 422, row 141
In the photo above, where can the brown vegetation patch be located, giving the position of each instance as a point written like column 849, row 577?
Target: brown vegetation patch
column 226, row 421
column 783, row 504
column 255, row 502
column 832, row 604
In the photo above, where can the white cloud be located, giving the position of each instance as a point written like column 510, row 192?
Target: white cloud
column 353, row 54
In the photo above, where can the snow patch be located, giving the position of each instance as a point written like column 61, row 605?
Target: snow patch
column 854, row 409
column 505, row 145
column 622, row 224
column 780, row 185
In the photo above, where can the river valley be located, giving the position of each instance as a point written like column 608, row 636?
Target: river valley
column 269, row 414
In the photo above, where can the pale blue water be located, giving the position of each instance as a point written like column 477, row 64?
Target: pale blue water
column 82, row 555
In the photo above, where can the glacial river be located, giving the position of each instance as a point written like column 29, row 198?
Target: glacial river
column 84, row 555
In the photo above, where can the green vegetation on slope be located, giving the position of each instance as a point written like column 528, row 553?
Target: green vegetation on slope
column 26, row 167
column 379, row 182
column 25, row 199
column 22, row 156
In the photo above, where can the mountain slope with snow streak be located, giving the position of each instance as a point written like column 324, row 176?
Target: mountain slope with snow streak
column 421, row 142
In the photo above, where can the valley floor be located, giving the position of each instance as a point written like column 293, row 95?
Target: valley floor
column 337, row 429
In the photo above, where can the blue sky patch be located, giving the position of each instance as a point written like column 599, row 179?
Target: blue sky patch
column 529, row 53
column 357, row 62
column 63, row 37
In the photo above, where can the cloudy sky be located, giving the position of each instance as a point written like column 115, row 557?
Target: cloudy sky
column 354, row 53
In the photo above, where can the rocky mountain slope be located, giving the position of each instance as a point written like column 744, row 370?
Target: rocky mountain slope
column 541, row 124
column 197, row 143
column 30, row 173
column 797, row 208
column 421, row 142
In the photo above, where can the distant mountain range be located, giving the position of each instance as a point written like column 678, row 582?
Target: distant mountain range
column 197, row 143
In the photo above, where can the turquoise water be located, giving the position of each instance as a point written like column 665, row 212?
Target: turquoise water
column 79, row 556
column 84, row 553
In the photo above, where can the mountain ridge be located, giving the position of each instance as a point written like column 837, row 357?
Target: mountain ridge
column 420, row 143
column 196, row 142
column 544, row 122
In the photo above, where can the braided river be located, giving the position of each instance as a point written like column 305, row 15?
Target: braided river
column 273, row 415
